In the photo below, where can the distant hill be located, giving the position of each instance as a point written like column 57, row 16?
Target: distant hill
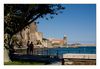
column 87, row 45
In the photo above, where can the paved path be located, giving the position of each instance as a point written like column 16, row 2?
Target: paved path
column 56, row 63
column 39, row 58
column 80, row 56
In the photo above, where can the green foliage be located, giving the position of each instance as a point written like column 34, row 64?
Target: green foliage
column 23, row 63
column 14, row 38
column 19, row 16
column 39, row 42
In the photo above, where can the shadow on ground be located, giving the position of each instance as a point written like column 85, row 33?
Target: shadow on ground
column 45, row 59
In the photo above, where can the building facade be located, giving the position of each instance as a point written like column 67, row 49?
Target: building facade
column 59, row 42
column 29, row 34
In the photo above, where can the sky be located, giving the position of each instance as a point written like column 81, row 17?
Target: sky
column 78, row 22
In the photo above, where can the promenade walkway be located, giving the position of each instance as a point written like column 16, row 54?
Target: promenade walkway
column 37, row 58
column 80, row 56
column 56, row 63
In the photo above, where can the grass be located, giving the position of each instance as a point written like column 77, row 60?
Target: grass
column 23, row 63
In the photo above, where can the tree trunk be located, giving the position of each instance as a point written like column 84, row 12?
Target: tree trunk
column 7, row 48
column 6, row 55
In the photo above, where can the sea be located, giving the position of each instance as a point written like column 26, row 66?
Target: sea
column 78, row 50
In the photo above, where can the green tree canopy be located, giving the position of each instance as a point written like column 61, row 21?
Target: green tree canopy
column 18, row 16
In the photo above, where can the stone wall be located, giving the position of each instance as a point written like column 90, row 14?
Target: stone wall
column 28, row 34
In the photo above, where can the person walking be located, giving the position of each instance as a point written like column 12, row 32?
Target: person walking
column 31, row 48
column 28, row 47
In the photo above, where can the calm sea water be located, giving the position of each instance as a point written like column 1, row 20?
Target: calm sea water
column 79, row 50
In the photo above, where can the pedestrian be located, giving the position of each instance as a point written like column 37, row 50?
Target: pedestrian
column 11, row 51
column 31, row 48
column 28, row 47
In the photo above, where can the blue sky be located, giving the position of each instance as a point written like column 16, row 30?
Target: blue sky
column 78, row 22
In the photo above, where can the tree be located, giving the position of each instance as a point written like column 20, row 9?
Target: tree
column 18, row 16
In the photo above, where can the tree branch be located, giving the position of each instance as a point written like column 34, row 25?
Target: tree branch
column 26, row 24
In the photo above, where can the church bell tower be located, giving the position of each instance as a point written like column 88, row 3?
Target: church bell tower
column 65, row 40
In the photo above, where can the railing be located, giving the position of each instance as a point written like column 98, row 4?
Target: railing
column 48, row 51
column 52, row 53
